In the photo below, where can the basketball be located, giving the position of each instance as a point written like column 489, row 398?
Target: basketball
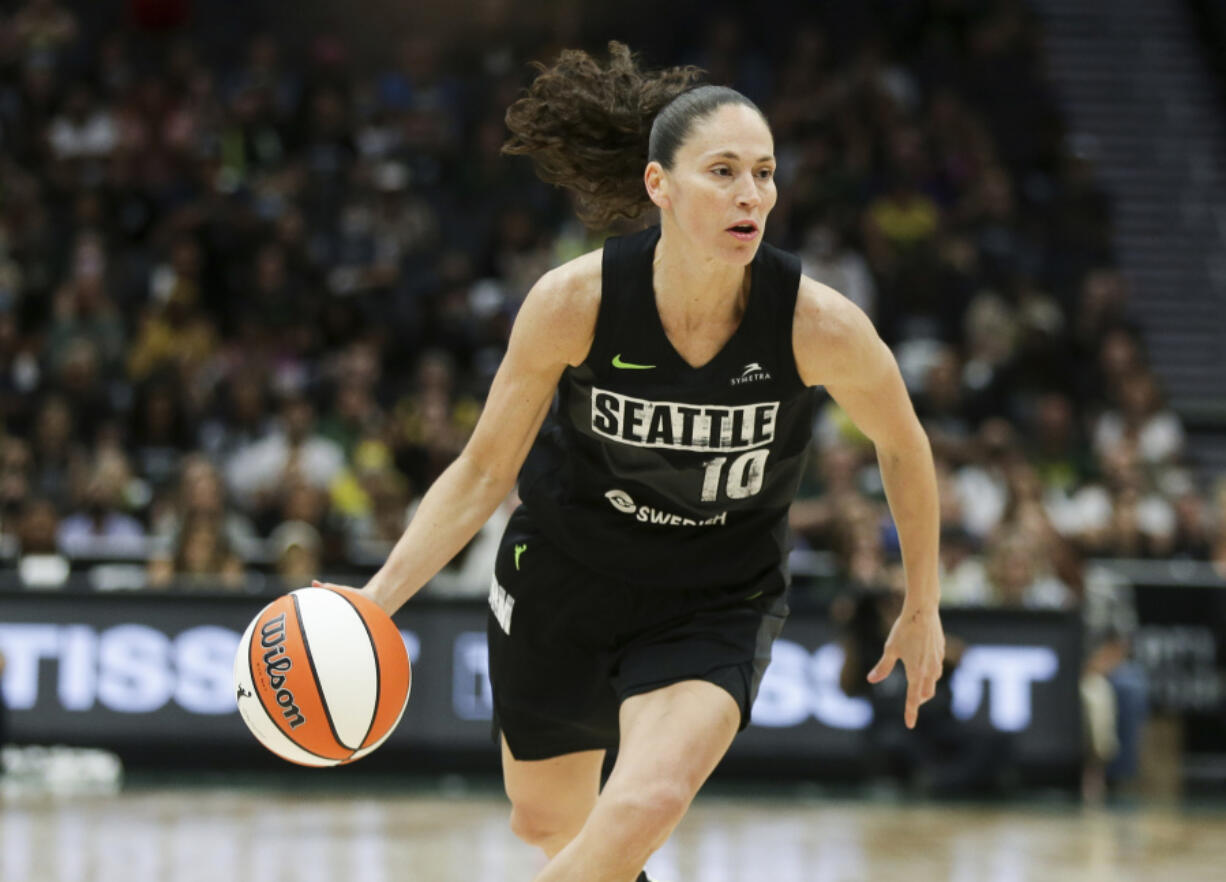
column 321, row 676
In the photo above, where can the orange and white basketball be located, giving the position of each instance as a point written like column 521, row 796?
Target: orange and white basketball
column 322, row 676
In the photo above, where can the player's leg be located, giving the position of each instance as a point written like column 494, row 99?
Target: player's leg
column 672, row 739
column 551, row 798
column 554, row 708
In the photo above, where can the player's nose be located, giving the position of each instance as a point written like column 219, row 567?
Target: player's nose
column 747, row 193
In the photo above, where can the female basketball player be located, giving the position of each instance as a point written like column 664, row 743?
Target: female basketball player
column 639, row 587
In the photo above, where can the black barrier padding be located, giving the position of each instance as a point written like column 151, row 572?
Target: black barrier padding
column 149, row 676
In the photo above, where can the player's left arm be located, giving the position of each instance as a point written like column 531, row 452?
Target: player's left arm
column 837, row 347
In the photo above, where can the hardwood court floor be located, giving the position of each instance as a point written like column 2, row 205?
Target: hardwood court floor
column 253, row 835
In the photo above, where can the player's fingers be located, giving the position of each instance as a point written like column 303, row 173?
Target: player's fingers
column 911, row 714
column 882, row 669
column 315, row 583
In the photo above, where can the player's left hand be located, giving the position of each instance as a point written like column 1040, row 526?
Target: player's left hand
column 918, row 641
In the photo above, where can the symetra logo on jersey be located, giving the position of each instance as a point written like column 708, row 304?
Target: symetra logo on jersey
column 677, row 426
column 750, row 373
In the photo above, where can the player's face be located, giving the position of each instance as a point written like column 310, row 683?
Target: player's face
column 722, row 184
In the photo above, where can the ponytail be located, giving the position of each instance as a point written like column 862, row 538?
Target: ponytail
column 588, row 128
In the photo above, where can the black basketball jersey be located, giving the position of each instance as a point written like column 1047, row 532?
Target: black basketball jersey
column 660, row 474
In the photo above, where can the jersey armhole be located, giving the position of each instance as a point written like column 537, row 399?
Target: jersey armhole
column 790, row 279
column 611, row 269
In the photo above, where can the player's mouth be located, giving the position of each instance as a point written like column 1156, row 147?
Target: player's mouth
column 745, row 230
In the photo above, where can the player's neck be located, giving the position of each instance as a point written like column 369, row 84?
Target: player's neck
column 694, row 289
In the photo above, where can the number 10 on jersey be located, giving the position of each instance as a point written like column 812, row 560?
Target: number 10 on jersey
column 745, row 475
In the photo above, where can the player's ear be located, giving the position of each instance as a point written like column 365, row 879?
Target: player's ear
column 656, row 180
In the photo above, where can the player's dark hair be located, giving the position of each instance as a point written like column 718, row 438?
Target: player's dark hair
column 593, row 128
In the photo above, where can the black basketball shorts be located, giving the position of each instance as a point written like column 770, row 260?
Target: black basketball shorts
column 567, row 647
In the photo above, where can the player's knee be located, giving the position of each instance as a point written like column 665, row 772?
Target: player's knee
column 542, row 827
column 647, row 814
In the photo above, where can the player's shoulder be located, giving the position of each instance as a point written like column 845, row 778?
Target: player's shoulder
column 823, row 311
column 563, row 306
column 575, row 283
column 829, row 332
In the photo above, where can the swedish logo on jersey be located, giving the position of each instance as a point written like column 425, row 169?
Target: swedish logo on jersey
column 645, row 514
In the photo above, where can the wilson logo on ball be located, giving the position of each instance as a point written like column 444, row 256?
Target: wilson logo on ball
column 276, row 665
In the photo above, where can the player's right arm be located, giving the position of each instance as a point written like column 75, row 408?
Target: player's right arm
column 554, row 329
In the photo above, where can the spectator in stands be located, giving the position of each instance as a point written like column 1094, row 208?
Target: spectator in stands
column 57, row 455
column 964, row 578
column 16, row 464
column 297, row 549
column 1056, row 446
column 433, row 422
column 200, row 560
column 257, row 473
column 174, row 332
column 940, row 404
column 160, row 430
column 83, row 137
column 1045, row 359
column 1193, row 533
column 989, row 216
column 372, row 498
column 355, row 413
column 1018, row 578
column 266, row 72
column 421, row 92
column 302, row 502
column 1119, row 354
column 1100, row 310
column 241, row 419
column 19, row 369
column 44, row 27
column 860, row 545
column 830, row 491
column 1027, row 514
column 989, row 369
column 1114, row 688
column 982, row 484
column 100, row 527
column 201, row 497
column 899, row 224
column 1142, row 418
column 79, row 380
column 1124, row 515
column 83, row 309
column 40, row 563
column 827, row 257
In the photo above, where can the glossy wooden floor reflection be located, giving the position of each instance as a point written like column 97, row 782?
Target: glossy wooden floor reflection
column 203, row 835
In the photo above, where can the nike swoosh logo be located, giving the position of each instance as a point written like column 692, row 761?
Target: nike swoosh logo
column 630, row 366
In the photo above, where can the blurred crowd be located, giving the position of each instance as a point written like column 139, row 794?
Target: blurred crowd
column 249, row 308
column 263, row 300
column 251, row 300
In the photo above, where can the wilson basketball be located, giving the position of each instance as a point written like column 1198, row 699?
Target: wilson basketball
column 322, row 676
